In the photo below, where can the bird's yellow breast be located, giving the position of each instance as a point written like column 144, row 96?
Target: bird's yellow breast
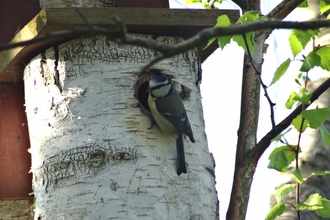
column 166, row 126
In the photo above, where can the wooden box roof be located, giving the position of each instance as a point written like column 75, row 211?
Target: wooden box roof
column 156, row 21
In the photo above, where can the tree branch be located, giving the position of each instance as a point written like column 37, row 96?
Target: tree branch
column 263, row 144
column 120, row 35
column 284, row 9
column 171, row 50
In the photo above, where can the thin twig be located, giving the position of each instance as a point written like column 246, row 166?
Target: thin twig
column 297, row 151
column 258, row 72
column 297, row 165
column 120, row 27
column 211, row 3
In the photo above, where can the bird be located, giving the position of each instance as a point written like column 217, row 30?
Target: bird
column 170, row 115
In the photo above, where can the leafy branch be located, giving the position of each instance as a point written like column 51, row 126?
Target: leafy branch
column 288, row 151
column 283, row 156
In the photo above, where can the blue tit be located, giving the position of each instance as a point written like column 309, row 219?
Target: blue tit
column 170, row 115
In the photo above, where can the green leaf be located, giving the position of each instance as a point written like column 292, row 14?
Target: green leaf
column 316, row 203
column 277, row 210
column 299, row 38
column 303, row 4
column 209, row 42
column 303, row 96
column 298, row 176
column 295, row 45
column 291, row 100
column 188, row 2
column 298, row 78
column 313, row 200
column 297, row 81
column 283, row 191
column 281, row 158
column 296, row 122
column 240, row 41
column 325, row 211
column 316, row 117
column 321, row 173
column 206, row 5
column 325, row 135
column 222, row 21
column 281, row 71
column 324, row 7
column 324, row 54
column 249, row 16
column 311, row 32
column 310, row 62
column 313, row 203
column 223, row 41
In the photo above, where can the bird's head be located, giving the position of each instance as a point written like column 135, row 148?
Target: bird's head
column 160, row 86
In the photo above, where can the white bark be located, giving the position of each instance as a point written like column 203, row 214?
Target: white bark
column 92, row 154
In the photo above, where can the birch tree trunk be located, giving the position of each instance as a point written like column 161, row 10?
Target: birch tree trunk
column 93, row 156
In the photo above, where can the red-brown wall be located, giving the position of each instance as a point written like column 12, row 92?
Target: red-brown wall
column 15, row 161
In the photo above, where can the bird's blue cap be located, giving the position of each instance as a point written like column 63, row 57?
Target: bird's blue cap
column 158, row 79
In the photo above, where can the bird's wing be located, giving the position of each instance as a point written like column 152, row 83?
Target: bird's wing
column 179, row 117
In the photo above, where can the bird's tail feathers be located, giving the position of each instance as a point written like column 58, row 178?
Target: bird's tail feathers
column 181, row 163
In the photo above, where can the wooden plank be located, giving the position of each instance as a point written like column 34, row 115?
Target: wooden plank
column 143, row 3
column 141, row 16
column 156, row 21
